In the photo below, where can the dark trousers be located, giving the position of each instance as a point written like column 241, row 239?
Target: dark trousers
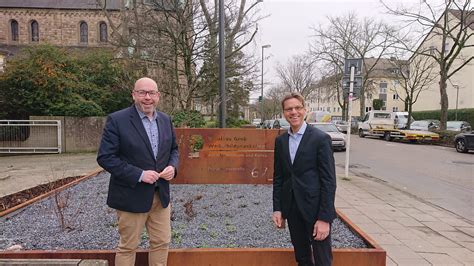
column 308, row 252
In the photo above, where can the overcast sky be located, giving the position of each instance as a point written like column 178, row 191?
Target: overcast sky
column 287, row 27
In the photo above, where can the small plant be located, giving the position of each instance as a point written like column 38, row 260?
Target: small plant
column 61, row 203
column 213, row 234
column 231, row 228
column 144, row 235
column 196, row 143
column 188, row 210
column 176, row 236
column 203, row 227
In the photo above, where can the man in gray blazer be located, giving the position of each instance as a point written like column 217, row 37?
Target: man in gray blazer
column 304, row 185
column 139, row 150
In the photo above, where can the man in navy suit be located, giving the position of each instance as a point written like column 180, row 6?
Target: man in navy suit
column 304, row 185
column 139, row 150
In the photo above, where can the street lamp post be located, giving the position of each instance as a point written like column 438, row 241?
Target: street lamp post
column 457, row 99
column 222, row 92
column 261, row 92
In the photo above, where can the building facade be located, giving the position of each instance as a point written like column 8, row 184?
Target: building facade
column 67, row 23
column 383, row 84
column 460, row 87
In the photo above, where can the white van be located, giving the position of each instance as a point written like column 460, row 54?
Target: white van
column 400, row 119
column 318, row 117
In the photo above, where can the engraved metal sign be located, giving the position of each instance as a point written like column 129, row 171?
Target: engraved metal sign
column 225, row 156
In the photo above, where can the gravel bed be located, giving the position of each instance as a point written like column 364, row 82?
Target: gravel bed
column 202, row 216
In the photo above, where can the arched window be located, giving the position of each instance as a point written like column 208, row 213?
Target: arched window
column 103, row 32
column 14, row 28
column 84, row 31
column 34, row 31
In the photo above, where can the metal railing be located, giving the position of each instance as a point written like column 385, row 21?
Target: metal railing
column 30, row 136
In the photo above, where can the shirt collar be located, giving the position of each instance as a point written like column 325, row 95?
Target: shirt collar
column 142, row 114
column 300, row 131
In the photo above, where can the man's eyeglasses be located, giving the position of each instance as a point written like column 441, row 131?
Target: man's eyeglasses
column 297, row 109
column 143, row 93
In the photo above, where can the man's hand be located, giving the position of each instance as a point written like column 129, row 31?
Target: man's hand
column 150, row 176
column 167, row 173
column 278, row 219
column 321, row 230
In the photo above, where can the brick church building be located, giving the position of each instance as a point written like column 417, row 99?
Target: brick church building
column 67, row 23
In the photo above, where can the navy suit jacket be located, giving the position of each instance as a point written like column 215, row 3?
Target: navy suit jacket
column 125, row 151
column 310, row 180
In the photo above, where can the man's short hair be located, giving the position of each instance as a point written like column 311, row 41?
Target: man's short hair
column 293, row 95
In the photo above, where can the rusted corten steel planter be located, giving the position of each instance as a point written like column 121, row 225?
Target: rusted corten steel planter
column 372, row 256
column 225, row 156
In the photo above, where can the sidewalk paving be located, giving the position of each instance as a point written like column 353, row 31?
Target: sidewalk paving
column 412, row 231
column 26, row 171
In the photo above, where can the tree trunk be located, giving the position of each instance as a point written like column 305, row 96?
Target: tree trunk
column 409, row 104
column 444, row 100
column 362, row 100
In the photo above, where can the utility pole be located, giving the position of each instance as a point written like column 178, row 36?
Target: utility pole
column 457, row 100
column 222, row 94
column 350, row 67
column 261, row 92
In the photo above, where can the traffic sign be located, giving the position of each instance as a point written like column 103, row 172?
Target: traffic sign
column 356, row 62
column 358, row 82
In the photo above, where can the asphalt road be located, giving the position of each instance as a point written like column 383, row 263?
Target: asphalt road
column 436, row 174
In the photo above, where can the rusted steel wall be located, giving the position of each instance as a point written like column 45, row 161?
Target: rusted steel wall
column 213, row 256
column 373, row 256
column 225, row 156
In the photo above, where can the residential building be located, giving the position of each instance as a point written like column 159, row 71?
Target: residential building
column 383, row 84
column 460, row 87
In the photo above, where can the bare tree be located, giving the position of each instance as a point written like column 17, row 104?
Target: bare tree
column 176, row 42
column 450, row 31
column 414, row 76
column 272, row 101
column 350, row 37
column 298, row 75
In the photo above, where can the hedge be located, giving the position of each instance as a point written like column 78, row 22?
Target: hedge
column 466, row 114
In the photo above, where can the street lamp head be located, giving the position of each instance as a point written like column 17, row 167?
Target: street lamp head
column 266, row 46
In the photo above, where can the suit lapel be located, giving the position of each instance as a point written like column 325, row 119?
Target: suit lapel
column 286, row 148
column 137, row 123
column 161, row 132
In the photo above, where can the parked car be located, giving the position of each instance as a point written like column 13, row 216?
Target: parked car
column 426, row 125
column 341, row 125
column 459, row 126
column 268, row 124
column 338, row 139
column 257, row 122
column 463, row 142
column 400, row 119
column 281, row 123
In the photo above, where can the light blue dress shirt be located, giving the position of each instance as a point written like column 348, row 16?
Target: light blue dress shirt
column 295, row 139
column 151, row 128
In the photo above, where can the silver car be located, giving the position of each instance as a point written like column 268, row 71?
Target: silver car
column 281, row 123
column 426, row 125
column 458, row 126
column 338, row 139
column 341, row 125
